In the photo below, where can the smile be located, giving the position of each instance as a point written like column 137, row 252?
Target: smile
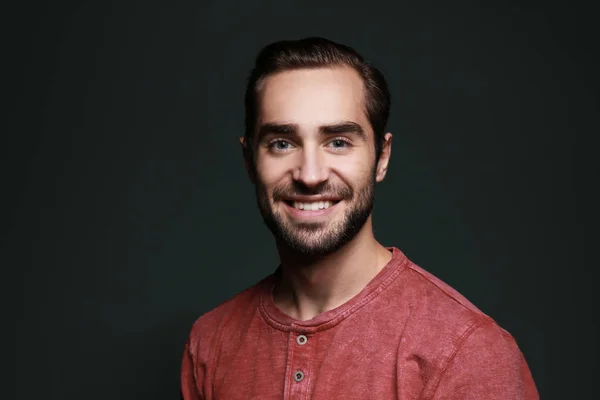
column 312, row 206
column 311, row 209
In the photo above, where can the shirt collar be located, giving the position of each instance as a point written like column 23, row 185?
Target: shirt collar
column 277, row 319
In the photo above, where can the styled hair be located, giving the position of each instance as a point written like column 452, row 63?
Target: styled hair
column 312, row 53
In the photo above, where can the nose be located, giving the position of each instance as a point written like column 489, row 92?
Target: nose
column 311, row 170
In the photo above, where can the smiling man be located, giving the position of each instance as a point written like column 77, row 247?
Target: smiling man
column 343, row 317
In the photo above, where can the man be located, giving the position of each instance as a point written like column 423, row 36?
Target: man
column 343, row 317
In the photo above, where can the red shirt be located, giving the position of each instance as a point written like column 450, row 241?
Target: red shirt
column 406, row 335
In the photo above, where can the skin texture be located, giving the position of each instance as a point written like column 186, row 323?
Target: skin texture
column 313, row 142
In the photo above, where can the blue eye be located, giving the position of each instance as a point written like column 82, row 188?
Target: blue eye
column 338, row 143
column 279, row 145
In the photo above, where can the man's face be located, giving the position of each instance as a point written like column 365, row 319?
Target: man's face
column 314, row 155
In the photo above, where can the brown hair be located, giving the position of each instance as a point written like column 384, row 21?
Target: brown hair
column 316, row 52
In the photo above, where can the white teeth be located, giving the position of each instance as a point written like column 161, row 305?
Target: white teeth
column 313, row 206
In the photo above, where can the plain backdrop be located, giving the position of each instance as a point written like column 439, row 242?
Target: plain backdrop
column 126, row 212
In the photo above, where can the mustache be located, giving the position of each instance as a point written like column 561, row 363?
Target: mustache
column 324, row 189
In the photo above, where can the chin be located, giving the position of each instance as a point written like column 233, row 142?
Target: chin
column 323, row 242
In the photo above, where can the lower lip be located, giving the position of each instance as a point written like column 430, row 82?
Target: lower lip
column 307, row 214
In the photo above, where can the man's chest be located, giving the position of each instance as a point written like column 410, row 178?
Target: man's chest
column 344, row 364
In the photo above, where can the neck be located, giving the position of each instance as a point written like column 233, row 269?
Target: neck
column 311, row 285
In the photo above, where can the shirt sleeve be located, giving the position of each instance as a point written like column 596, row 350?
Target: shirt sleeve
column 191, row 377
column 487, row 364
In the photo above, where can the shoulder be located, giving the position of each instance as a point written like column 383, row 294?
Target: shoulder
column 438, row 302
column 207, row 330
column 442, row 320
column 456, row 344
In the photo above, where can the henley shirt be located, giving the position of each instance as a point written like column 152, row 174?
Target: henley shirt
column 406, row 335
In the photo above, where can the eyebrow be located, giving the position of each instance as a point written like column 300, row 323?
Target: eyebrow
column 343, row 127
column 331, row 129
column 278, row 129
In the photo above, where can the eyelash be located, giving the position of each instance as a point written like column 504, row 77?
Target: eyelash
column 273, row 142
column 341, row 139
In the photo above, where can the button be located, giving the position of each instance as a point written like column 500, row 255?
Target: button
column 301, row 340
column 298, row 376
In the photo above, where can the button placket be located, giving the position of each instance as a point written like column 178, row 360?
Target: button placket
column 299, row 375
column 300, row 366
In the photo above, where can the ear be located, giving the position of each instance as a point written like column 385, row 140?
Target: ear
column 384, row 158
column 248, row 159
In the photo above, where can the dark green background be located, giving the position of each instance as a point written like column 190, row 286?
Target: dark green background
column 127, row 214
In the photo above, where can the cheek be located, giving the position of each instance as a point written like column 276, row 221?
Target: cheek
column 270, row 171
column 354, row 170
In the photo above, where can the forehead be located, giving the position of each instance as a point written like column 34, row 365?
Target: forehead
column 313, row 97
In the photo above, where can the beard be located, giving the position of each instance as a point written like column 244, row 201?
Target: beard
column 318, row 238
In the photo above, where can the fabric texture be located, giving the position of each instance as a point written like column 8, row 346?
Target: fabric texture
column 406, row 335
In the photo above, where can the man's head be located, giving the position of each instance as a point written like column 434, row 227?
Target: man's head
column 315, row 141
